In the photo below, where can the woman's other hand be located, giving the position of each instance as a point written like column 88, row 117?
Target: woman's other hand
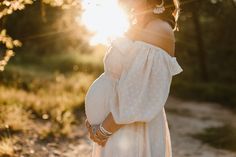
column 94, row 133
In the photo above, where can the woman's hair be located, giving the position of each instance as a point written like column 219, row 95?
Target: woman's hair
column 171, row 13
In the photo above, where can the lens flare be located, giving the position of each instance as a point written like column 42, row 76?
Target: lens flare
column 105, row 18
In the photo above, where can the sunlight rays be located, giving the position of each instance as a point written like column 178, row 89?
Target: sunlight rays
column 105, row 18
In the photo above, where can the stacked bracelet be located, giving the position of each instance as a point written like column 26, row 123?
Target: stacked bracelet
column 104, row 131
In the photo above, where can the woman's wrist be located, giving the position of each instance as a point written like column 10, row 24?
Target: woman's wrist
column 105, row 131
column 110, row 125
column 99, row 137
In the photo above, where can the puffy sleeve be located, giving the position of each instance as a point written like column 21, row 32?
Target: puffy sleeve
column 142, row 90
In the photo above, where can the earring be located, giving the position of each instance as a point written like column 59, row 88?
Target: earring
column 159, row 8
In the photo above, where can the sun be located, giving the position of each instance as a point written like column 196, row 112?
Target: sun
column 105, row 18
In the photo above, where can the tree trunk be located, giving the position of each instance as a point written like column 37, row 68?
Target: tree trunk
column 202, row 55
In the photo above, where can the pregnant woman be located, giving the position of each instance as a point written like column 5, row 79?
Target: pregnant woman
column 125, row 104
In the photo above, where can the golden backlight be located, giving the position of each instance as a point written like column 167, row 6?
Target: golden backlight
column 105, row 18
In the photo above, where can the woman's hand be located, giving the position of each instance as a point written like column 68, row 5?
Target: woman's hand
column 98, row 137
column 95, row 134
column 109, row 124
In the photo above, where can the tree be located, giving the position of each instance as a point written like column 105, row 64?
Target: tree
column 10, row 6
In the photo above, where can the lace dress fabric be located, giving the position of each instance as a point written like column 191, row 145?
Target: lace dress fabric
column 134, row 87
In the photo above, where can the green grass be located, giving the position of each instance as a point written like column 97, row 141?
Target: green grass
column 206, row 91
column 45, row 93
column 223, row 137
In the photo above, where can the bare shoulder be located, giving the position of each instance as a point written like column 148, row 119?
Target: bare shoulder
column 159, row 33
column 159, row 29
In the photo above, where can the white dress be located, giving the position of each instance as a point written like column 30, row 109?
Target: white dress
column 134, row 87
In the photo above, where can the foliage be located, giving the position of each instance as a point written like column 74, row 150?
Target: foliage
column 9, row 7
column 42, row 89
column 10, row 44
column 205, row 48
column 205, row 91
column 223, row 137
column 37, row 95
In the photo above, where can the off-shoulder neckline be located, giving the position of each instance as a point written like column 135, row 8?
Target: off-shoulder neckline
column 173, row 64
column 150, row 45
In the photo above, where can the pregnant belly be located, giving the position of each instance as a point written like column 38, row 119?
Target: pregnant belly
column 96, row 106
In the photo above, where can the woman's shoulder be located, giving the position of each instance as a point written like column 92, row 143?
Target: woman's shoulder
column 135, row 52
column 159, row 33
column 159, row 25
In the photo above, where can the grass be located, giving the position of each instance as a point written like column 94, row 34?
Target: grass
column 7, row 147
column 53, row 100
column 44, row 94
column 223, row 137
column 206, row 91
column 15, row 118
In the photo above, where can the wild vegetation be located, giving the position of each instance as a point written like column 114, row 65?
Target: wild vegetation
column 47, row 66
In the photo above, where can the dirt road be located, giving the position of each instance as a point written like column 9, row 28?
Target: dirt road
column 184, row 118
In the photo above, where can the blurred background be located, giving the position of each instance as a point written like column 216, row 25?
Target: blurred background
column 52, row 50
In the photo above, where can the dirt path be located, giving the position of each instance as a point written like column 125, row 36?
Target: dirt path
column 184, row 117
column 193, row 117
